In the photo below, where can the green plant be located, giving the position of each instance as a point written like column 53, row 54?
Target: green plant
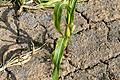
column 62, row 42
column 69, row 6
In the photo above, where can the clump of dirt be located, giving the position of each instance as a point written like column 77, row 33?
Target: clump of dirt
column 93, row 52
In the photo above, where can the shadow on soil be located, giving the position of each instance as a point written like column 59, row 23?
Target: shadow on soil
column 21, row 37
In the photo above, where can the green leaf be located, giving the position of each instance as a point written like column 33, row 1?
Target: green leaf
column 72, row 5
column 70, row 17
column 60, row 46
column 57, row 55
column 57, row 16
column 55, row 75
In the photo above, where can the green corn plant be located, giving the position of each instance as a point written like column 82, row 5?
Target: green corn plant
column 62, row 42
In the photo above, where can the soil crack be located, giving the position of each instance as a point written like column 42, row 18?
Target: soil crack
column 106, row 62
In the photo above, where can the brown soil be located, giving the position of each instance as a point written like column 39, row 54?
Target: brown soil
column 93, row 52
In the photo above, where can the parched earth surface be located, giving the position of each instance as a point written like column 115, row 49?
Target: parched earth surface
column 93, row 52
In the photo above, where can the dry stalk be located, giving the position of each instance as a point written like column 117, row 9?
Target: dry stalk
column 18, row 60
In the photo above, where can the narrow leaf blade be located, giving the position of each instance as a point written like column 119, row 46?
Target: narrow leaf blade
column 57, row 16
column 58, row 53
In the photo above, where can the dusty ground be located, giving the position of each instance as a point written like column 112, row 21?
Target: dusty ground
column 92, row 54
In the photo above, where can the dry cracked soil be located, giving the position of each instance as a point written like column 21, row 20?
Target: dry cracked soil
column 93, row 52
